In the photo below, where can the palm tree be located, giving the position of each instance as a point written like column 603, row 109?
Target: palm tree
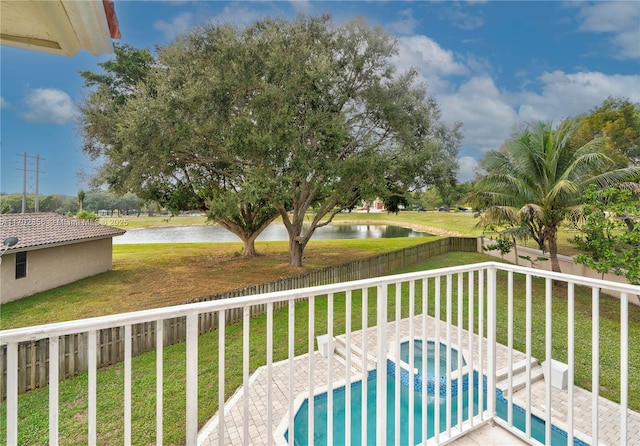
column 81, row 196
column 537, row 178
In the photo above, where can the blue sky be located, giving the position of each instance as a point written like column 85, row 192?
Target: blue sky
column 490, row 65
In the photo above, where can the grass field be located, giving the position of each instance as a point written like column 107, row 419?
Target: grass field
column 158, row 275
column 73, row 392
column 131, row 221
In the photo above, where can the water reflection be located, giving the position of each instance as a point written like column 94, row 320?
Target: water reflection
column 275, row 232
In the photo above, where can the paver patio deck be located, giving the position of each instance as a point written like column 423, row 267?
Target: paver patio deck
column 609, row 412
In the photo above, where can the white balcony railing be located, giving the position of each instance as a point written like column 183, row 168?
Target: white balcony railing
column 488, row 318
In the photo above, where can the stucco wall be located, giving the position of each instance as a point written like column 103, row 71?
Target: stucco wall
column 567, row 265
column 51, row 267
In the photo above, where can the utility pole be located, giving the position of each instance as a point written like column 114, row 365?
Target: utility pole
column 24, row 181
column 24, row 184
column 37, row 200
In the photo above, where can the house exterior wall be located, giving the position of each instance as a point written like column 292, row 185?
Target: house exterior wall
column 52, row 267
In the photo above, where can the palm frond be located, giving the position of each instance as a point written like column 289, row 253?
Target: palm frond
column 562, row 191
column 530, row 212
column 615, row 177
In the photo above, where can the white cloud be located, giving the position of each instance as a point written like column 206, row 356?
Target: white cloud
column 48, row 105
column 237, row 14
column 570, row 94
column 433, row 62
column 490, row 116
column 404, row 25
column 428, row 55
column 487, row 119
column 3, row 103
column 467, row 168
column 478, row 64
column 179, row 25
column 620, row 19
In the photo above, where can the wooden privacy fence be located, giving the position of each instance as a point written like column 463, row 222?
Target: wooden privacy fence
column 33, row 356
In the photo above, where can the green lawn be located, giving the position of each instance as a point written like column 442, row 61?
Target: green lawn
column 73, row 400
column 158, row 275
column 131, row 221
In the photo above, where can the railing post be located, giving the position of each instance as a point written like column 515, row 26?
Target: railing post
column 381, row 367
column 221, row 374
column 54, row 378
column 127, row 383
column 548, row 327
column 192, row 378
column 92, row 346
column 491, row 340
column 159, row 380
column 595, row 363
column 624, row 365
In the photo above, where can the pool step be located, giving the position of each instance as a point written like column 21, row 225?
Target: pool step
column 520, row 380
column 518, row 367
column 356, row 354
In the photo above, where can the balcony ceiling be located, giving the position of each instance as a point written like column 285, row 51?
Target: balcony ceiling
column 59, row 26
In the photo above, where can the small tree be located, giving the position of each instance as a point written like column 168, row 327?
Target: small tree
column 502, row 244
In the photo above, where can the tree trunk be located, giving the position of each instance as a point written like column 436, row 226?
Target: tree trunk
column 249, row 249
column 295, row 253
column 551, row 234
column 297, row 242
column 248, row 239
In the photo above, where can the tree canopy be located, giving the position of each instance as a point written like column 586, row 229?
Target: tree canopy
column 277, row 119
column 619, row 120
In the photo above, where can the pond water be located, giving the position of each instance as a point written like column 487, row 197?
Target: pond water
column 275, row 232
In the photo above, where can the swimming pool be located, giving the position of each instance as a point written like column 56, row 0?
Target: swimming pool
column 301, row 428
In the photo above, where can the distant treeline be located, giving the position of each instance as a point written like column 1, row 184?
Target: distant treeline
column 107, row 203
column 100, row 202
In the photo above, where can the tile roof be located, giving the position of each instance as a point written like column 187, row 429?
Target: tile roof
column 43, row 229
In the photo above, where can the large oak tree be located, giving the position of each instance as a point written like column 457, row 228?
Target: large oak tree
column 298, row 119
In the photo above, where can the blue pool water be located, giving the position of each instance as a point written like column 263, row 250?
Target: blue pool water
column 558, row 437
column 430, row 356
column 320, row 414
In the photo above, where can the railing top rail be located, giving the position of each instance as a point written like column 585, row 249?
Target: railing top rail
column 578, row 280
column 97, row 323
